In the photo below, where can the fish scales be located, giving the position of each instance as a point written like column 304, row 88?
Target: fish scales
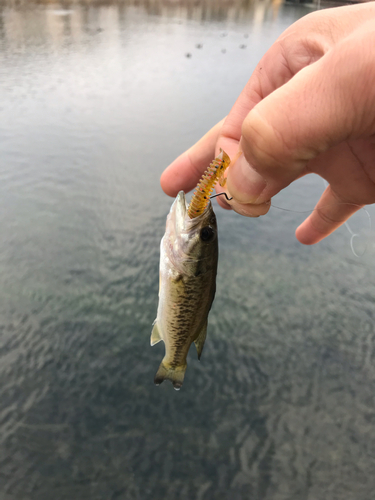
column 188, row 266
column 185, row 317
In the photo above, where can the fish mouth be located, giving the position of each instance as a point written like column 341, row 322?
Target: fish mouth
column 179, row 220
column 178, row 212
column 179, row 205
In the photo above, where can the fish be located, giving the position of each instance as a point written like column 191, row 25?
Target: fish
column 187, row 275
column 188, row 267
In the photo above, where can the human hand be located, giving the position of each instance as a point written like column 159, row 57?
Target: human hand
column 309, row 107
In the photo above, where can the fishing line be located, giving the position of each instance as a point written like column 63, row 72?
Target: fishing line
column 353, row 235
column 306, row 211
column 221, row 194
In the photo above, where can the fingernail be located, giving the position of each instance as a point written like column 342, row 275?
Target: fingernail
column 244, row 183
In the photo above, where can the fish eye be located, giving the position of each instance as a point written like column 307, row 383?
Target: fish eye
column 207, row 234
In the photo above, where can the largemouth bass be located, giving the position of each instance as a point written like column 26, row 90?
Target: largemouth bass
column 188, row 265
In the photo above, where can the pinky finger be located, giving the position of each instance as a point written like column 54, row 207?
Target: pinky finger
column 329, row 214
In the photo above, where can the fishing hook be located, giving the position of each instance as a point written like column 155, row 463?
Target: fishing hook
column 219, row 194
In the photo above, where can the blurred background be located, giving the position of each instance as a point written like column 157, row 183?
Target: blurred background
column 96, row 99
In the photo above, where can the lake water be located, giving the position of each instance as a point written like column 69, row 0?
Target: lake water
column 95, row 101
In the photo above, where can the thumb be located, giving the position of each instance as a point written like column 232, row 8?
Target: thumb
column 324, row 104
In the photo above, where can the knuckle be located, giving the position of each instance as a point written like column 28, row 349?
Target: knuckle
column 325, row 219
column 263, row 142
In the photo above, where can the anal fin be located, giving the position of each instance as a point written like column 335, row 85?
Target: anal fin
column 155, row 335
column 199, row 341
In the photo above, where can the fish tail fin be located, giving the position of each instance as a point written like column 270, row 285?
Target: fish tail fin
column 174, row 374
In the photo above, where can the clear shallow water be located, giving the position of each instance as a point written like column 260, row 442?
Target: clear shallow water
column 95, row 102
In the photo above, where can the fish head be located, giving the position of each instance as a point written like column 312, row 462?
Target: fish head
column 193, row 243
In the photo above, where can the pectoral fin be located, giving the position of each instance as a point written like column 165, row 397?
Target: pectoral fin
column 199, row 341
column 155, row 335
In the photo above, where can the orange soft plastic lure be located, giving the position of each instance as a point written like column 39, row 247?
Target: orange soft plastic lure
column 202, row 193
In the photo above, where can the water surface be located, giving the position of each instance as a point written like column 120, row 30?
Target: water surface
column 95, row 101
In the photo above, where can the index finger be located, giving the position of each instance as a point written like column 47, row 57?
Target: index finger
column 186, row 170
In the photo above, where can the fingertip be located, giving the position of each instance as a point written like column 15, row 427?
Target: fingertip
column 329, row 214
column 178, row 176
column 168, row 183
column 307, row 234
column 251, row 210
column 186, row 170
